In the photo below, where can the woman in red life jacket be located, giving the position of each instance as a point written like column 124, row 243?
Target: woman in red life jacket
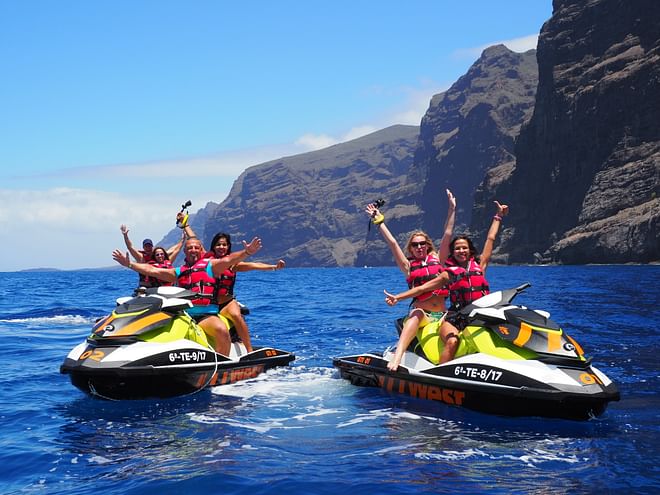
column 160, row 259
column 420, row 266
column 200, row 275
column 466, row 270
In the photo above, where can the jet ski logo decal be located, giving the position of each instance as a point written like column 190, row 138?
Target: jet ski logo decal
column 230, row 376
column 422, row 391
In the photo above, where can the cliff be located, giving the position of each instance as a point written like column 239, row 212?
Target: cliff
column 309, row 208
column 585, row 186
column 469, row 132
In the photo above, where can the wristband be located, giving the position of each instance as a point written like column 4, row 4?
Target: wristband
column 183, row 223
column 497, row 217
column 378, row 219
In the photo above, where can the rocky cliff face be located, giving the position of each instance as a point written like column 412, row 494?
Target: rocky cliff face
column 586, row 183
column 466, row 135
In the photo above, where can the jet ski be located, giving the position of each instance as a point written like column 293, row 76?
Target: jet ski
column 511, row 360
column 151, row 347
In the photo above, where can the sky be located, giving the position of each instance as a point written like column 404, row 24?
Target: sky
column 117, row 112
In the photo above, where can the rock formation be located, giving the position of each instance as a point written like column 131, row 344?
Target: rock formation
column 585, row 186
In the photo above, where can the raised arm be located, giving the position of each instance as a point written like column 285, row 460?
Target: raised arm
column 443, row 250
column 219, row 265
column 484, row 258
column 129, row 245
column 378, row 219
column 174, row 251
column 442, row 280
column 246, row 266
column 165, row 274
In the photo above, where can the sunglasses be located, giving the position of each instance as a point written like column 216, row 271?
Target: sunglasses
column 418, row 244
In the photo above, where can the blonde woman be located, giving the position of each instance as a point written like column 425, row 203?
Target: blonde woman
column 421, row 264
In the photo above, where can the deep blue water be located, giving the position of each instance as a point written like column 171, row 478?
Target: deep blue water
column 302, row 429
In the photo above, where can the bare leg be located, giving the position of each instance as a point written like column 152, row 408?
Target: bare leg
column 233, row 312
column 216, row 328
column 408, row 332
column 449, row 335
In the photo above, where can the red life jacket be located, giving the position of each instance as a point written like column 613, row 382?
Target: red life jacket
column 226, row 281
column 421, row 271
column 466, row 285
column 146, row 281
column 199, row 279
column 143, row 280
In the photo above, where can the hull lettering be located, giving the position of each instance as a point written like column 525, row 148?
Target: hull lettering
column 422, row 391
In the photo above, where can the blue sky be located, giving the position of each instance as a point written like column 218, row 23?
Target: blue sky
column 118, row 111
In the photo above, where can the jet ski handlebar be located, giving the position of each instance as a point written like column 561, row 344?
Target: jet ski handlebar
column 495, row 298
column 523, row 287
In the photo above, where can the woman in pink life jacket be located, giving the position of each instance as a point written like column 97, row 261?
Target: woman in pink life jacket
column 229, row 306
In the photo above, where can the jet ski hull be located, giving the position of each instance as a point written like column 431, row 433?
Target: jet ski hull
column 484, row 384
column 162, row 371
column 150, row 346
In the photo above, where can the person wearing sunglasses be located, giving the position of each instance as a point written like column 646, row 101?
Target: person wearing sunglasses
column 421, row 264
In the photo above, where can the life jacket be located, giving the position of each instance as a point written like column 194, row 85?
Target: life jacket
column 146, row 281
column 143, row 280
column 199, row 279
column 226, row 281
column 466, row 285
column 421, row 271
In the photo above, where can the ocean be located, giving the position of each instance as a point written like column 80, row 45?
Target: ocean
column 302, row 429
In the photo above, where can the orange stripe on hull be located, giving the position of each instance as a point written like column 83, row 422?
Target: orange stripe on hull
column 554, row 341
column 523, row 335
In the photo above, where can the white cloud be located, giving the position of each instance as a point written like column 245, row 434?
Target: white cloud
column 227, row 164
column 360, row 131
column 415, row 104
column 76, row 228
column 312, row 142
column 520, row 45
